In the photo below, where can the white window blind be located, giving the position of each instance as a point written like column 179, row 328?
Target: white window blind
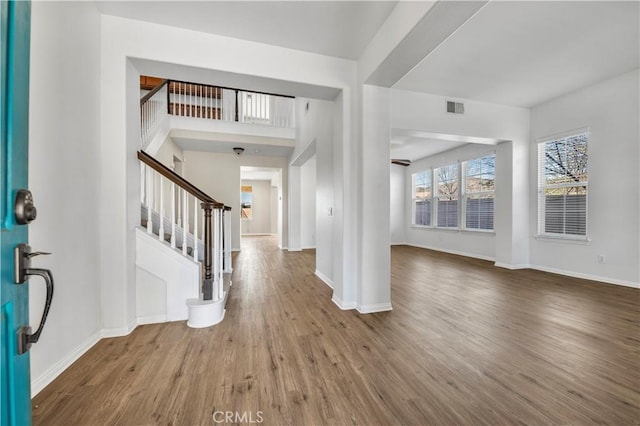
column 562, row 186
column 447, row 196
column 479, row 192
column 422, row 195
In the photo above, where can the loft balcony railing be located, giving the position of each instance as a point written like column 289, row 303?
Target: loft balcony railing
column 185, row 99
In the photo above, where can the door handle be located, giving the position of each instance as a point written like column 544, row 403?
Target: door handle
column 23, row 271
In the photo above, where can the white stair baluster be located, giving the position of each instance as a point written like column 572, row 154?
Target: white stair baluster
column 216, row 254
column 179, row 205
column 185, row 221
column 173, row 215
column 227, row 241
column 195, row 228
column 149, row 200
column 142, row 183
column 161, row 225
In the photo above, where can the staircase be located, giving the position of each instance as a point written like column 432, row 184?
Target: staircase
column 183, row 249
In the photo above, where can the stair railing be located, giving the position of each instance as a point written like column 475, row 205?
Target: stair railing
column 186, row 99
column 161, row 189
column 153, row 109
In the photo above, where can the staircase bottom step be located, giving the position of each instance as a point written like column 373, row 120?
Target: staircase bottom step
column 206, row 313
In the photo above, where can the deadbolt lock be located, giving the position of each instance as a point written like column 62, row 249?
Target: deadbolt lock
column 24, row 210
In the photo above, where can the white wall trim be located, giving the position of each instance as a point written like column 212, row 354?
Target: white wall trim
column 341, row 304
column 56, row 369
column 589, row 277
column 456, row 252
column 398, row 244
column 117, row 332
column 294, row 249
column 373, row 308
column 324, row 278
column 308, row 247
column 512, row 267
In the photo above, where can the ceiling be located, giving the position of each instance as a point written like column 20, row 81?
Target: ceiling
column 259, row 173
column 525, row 53
column 414, row 144
column 520, row 53
column 226, row 147
column 333, row 28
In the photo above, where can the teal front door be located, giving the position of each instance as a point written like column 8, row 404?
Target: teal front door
column 14, row 298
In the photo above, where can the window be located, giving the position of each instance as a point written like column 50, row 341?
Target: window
column 246, row 198
column 422, row 194
column 480, row 185
column 562, row 186
column 447, row 196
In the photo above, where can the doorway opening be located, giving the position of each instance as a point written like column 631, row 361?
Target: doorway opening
column 261, row 202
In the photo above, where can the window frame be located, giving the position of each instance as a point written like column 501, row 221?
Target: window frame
column 466, row 194
column 243, row 190
column 415, row 199
column 542, row 186
column 436, row 186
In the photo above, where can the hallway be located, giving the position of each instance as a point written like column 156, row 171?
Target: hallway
column 466, row 343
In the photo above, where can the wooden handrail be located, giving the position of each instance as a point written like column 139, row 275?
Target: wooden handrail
column 179, row 180
column 233, row 88
column 155, row 90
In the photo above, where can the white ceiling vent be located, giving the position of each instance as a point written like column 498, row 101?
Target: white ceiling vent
column 455, row 107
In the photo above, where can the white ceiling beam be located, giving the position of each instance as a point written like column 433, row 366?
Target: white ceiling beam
column 399, row 46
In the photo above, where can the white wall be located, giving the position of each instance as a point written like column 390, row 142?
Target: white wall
column 123, row 39
column 373, row 292
column 317, row 135
column 610, row 110
column 168, row 150
column 64, row 167
column 425, row 112
column 397, row 189
column 218, row 175
column 308, row 204
column 260, row 222
column 469, row 243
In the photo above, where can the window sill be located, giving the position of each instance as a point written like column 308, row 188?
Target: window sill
column 563, row 239
column 479, row 231
column 472, row 231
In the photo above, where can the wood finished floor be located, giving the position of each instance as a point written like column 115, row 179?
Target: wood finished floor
column 466, row 343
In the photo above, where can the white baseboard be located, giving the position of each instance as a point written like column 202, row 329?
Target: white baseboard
column 586, row 276
column 342, row 305
column 118, row 332
column 56, row 369
column 375, row 307
column 456, row 252
column 294, row 249
column 309, row 248
column 324, row 278
column 512, row 267
column 398, row 244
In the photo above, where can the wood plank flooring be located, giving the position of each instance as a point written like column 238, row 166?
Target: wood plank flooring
column 467, row 343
